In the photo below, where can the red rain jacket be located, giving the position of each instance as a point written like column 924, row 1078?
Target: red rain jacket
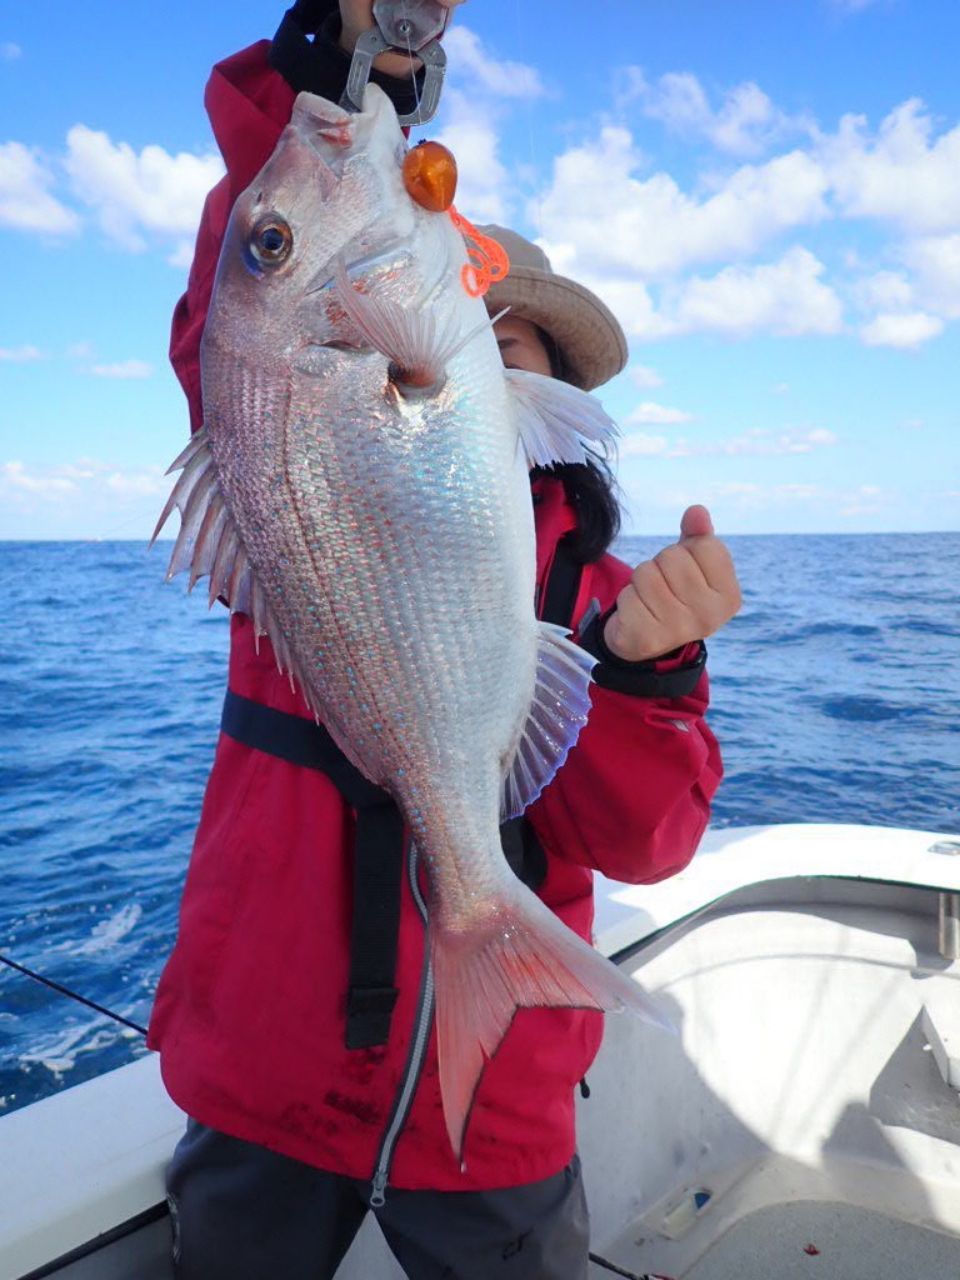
column 249, row 1013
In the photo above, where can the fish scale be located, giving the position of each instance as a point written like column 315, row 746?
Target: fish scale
column 382, row 536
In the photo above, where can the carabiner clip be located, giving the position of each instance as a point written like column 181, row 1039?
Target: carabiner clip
column 408, row 27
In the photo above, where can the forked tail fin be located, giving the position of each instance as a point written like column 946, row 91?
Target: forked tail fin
column 521, row 956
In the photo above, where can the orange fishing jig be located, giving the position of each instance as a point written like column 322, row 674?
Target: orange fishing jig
column 430, row 176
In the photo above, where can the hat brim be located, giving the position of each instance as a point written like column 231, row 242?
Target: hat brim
column 583, row 327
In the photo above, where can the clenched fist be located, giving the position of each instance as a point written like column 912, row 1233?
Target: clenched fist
column 686, row 592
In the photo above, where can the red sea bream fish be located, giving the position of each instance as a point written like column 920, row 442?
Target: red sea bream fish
column 360, row 489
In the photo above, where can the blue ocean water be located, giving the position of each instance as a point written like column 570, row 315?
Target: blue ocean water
column 835, row 693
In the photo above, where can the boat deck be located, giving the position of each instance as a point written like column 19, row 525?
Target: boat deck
column 807, row 1241
column 850, row 1244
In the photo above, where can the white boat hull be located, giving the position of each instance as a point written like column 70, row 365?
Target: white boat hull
column 800, row 1099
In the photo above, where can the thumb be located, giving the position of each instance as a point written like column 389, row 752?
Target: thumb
column 695, row 523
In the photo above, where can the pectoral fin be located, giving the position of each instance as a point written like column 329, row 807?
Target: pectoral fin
column 561, row 701
column 418, row 347
column 557, row 422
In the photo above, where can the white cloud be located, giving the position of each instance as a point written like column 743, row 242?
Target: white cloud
column 641, row 375
column 86, row 480
column 629, row 300
column 20, row 355
column 123, row 369
column 885, row 291
column 901, row 175
column 759, row 442
column 844, row 501
column 48, row 483
column 935, row 261
column 657, row 414
column 733, row 488
column 481, row 176
column 907, row 330
column 486, row 72
column 785, row 297
column 134, row 193
column 866, row 499
column 25, row 199
column 481, row 91
column 137, row 483
column 182, row 255
column 646, row 228
column 636, row 444
column 744, row 124
column 10, row 52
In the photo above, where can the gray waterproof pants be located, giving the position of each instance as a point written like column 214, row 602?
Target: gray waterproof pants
column 242, row 1212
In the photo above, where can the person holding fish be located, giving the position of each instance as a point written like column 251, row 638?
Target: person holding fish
column 382, row 993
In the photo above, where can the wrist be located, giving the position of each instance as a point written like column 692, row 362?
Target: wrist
column 613, row 644
column 670, row 675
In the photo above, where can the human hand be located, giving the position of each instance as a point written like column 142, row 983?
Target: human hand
column 686, row 592
column 357, row 16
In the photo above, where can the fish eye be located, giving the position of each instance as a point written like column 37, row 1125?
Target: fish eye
column 271, row 240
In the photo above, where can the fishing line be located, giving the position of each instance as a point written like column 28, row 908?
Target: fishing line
column 73, row 995
column 528, row 112
column 619, row 1271
column 413, row 73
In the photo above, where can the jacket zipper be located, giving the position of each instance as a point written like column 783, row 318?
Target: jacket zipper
column 418, row 1048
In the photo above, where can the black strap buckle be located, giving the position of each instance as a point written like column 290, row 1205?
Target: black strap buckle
column 369, row 1010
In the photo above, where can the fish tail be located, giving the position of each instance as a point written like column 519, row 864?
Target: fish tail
column 522, row 956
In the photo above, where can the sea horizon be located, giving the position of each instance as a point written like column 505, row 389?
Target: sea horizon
column 670, row 535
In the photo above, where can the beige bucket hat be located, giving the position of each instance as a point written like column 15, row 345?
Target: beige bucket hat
column 583, row 327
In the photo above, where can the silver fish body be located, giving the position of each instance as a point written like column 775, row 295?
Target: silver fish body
column 378, row 527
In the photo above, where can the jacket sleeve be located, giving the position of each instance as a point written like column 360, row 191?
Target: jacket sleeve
column 248, row 104
column 633, row 798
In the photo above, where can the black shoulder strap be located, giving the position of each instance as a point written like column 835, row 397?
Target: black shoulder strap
column 379, row 842
column 378, row 856
column 562, row 587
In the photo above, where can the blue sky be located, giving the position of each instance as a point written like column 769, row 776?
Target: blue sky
column 767, row 195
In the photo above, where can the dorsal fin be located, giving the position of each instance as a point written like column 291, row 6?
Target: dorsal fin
column 209, row 544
